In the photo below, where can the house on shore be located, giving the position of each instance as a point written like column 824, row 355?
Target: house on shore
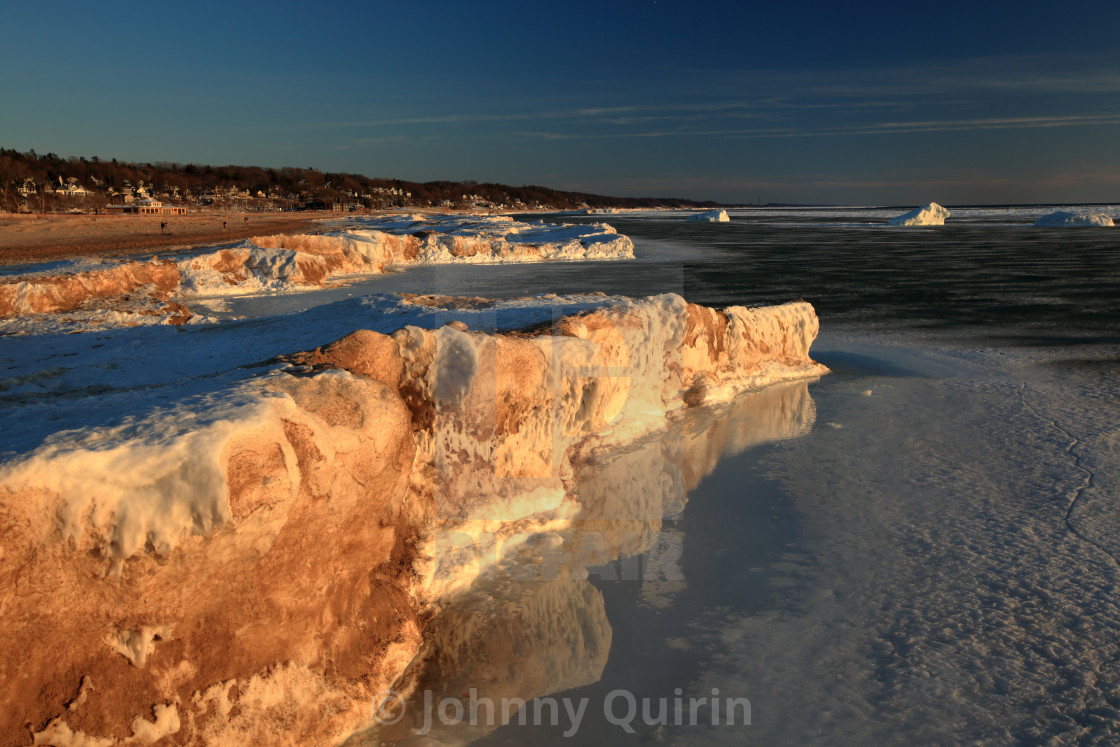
column 71, row 188
column 145, row 207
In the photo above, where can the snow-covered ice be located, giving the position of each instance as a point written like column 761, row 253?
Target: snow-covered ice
column 929, row 215
column 1074, row 219
column 195, row 470
column 710, row 216
column 161, row 291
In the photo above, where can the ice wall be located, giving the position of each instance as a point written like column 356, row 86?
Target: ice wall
column 930, row 215
column 504, row 418
column 283, row 263
column 241, row 564
column 38, row 293
column 258, row 563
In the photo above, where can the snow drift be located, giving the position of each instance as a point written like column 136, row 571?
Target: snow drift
column 930, row 215
column 711, row 216
column 256, row 563
column 1065, row 218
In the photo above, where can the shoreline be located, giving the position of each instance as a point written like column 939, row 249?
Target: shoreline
column 27, row 239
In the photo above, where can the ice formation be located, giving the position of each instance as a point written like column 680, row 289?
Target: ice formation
column 711, row 216
column 930, row 215
column 282, row 263
column 153, row 281
column 593, row 211
column 1066, row 218
column 256, row 560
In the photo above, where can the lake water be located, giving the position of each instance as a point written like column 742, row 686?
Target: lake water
column 920, row 547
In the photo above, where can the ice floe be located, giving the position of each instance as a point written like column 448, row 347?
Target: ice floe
column 1072, row 219
column 711, row 216
column 929, row 215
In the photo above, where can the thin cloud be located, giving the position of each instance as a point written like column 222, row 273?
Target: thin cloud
column 879, row 128
column 961, row 125
column 1036, row 75
column 606, row 115
column 801, row 104
column 606, row 110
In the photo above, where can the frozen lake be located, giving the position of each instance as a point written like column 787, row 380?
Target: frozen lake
column 918, row 548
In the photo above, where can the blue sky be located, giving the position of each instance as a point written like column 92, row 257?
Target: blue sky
column 849, row 103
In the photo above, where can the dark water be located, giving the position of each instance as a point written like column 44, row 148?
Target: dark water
column 1056, row 282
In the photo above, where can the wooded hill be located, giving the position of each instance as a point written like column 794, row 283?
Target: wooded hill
column 47, row 182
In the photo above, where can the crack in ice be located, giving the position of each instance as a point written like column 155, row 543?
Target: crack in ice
column 1079, row 491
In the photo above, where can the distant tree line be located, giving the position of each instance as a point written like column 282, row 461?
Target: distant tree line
column 300, row 187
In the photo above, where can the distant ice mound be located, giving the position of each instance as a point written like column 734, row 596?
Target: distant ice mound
column 591, row 211
column 930, row 215
column 712, row 216
column 1065, row 218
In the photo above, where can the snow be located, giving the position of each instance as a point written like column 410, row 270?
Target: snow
column 245, row 269
column 141, row 312
column 146, row 483
column 136, row 645
column 1079, row 219
column 711, row 216
column 929, row 215
column 58, row 733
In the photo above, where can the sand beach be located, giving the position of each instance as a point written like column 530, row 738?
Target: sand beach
column 30, row 238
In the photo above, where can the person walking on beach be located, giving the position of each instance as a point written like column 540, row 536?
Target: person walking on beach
column 162, row 225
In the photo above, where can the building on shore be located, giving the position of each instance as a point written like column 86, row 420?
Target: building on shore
column 146, row 207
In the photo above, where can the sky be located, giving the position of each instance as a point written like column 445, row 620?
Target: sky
column 799, row 102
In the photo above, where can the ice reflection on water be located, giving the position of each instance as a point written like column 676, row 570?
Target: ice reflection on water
column 536, row 624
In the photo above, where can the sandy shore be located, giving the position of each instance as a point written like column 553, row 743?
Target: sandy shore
column 31, row 238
